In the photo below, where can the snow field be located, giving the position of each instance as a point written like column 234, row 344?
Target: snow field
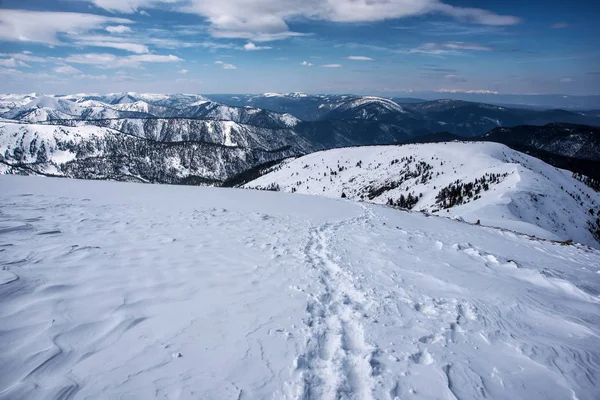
column 116, row 290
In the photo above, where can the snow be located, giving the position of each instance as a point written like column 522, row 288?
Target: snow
column 533, row 198
column 368, row 100
column 289, row 120
column 116, row 290
column 268, row 94
column 53, row 138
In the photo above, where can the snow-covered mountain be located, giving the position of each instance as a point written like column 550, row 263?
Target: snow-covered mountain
column 463, row 118
column 35, row 108
column 112, row 290
column 324, row 120
column 94, row 152
column 485, row 182
column 244, row 115
column 226, row 133
column 301, row 105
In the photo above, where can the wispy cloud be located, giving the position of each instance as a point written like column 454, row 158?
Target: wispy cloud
column 438, row 69
column 118, row 29
column 306, row 64
column 113, row 43
column 359, row 58
column 252, row 47
column 67, row 69
column 183, row 71
column 448, row 48
column 106, row 60
column 449, row 28
column 332, row 66
column 455, row 78
column 12, row 63
column 471, row 91
column 225, row 65
column 559, row 25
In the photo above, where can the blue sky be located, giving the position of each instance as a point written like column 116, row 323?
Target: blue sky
column 326, row 46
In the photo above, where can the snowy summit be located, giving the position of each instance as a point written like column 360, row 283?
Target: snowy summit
column 122, row 290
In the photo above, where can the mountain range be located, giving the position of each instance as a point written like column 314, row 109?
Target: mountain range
column 202, row 139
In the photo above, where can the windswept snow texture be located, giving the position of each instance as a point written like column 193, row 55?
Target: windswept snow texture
column 116, row 290
column 523, row 193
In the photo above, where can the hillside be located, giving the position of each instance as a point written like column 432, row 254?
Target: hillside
column 93, row 152
column 473, row 119
column 114, row 290
column 222, row 132
column 484, row 182
column 576, row 141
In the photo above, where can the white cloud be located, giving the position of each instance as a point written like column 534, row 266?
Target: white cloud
column 154, row 58
column 67, row 69
column 43, row 26
column 359, row 58
column 448, row 48
column 559, row 25
column 127, row 46
column 26, row 57
column 332, row 66
column 128, row 6
column 12, row 63
column 104, row 60
column 183, row 71
column 266, row 20
column 306, row 64
column 471, row 91
column 118, row 29
column 566, row 79
column 455, row 78
column 474, row 15
column 225, row 65
column 252, row 47
column 466, row 46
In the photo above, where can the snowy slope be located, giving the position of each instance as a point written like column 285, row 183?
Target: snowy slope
column 93, row 152
column 227, row 133
column 524, row 194
column 31, row 143
column 113, row 290
column 366, row 101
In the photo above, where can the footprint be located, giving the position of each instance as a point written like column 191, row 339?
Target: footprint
column 422, row 357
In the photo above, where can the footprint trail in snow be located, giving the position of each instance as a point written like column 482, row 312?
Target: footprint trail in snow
column 111, row 290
